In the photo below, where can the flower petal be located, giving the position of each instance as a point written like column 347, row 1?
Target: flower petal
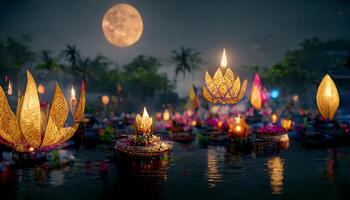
column 30, row 114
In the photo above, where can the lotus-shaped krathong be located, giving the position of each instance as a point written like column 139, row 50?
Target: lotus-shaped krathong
column 31, row 129
column 224, row 87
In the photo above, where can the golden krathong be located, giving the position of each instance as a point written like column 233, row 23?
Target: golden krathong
column 327, row 98
column 143, row 124
column 224, row 87
column 31, row 129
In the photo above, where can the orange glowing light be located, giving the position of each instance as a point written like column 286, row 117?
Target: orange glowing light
column 220, row 124
column 238, row 129
column 31, row 149
column 41, row 89
column 286, row 123
column 105, row 99
column 274, row 118
column 166, row 115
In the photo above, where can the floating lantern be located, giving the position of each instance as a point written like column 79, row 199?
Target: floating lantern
column 274, row 118
column 105, row 100
column 327, row 98
column 142, row 143
column 224, row 87
column 238, row 127
column 143, row 124
column 9, row 89
column 29, row 130
column 41, row 89
column 166, row 115
column 286, row 124
column 255, row 98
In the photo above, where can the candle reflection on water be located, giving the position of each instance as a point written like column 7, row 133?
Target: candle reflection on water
column 276, row 169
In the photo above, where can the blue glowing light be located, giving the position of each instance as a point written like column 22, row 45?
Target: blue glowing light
column 274, row 94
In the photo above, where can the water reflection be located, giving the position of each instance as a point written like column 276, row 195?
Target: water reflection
column 271, row 147
column 141, row 178
column 276, row 169
column 214, row 155
column 56, row 178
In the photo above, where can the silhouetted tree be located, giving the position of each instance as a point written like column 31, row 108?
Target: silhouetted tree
column 186, row 60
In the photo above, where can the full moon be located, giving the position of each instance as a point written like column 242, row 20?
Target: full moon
column 122, row 25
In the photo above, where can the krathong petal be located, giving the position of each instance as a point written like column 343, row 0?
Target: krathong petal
column 210, row 83
column 236, row 87
column 327, row 98
column 255, row 97
column 243, row 89
column 57, row 117
column 208, row 96
column 9, row 129
column 30, row 115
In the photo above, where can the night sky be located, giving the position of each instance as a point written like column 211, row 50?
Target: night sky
column 253, row 32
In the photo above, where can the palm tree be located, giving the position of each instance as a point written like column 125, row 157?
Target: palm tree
column 47, row 62
column 99, row 64
column 72, row 55
column 186, row 60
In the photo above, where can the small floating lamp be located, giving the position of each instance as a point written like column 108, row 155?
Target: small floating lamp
column 166, row 115
column 327, row 98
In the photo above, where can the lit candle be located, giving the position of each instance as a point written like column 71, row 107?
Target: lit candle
column 9, row 89
column 73, row 101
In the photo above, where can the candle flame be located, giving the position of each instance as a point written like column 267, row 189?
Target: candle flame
column 72, row 93
column 9, row 90
column 224, row 59
column 145, row 113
